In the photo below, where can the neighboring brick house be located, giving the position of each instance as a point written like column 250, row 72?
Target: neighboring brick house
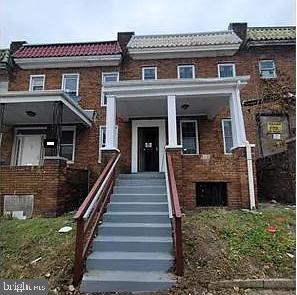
column 138, row 95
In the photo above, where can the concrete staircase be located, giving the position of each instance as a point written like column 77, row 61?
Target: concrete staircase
column 133, row 249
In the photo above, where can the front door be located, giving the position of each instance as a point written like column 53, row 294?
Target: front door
column 29, row 150
column 148, row 149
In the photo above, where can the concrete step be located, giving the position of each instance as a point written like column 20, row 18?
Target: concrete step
column 137, row 206
column 133, row 244
column 148, row 175
column 139, row 198
column 141, row 182
column 139, row 189
column 130, row 261
column 135, row 229
column 125, row 281
column 135, row 217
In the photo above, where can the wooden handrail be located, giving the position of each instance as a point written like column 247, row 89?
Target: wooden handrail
column 177, row 215
column 90, row 213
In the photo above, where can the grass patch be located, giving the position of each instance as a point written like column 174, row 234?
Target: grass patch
column 221, row 244
column 22, row 241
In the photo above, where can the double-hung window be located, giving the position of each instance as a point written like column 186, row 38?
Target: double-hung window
column 37, row 82
column 227, row 135
column 267, row 69
column 107, row 78
column 226, row 70
column 67, row 144
column 70, row 84
column 149, row 73
column 189, row 136
column 186, row 72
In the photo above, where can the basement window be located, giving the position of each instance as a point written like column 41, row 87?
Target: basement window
column 211, row 194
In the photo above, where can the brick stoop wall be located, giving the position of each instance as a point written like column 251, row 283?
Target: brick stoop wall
column 190, row 169
column 53, row 186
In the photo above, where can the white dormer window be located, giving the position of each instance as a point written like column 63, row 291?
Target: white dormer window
column 186, row 72
column 107, row 78
column 70, row 84
column 149, row 73
column 267, row 69
column 37, row 82
column 226, row 70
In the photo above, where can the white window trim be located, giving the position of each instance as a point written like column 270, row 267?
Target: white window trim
column 226, row 64
column 77, row 81
column 102, row 82
column 223, row 130
column 148, row 67
column 260, row 69
column 31, row 80
column 181, row 135
column 71, row 128
column 193, row 70
column 100, row 140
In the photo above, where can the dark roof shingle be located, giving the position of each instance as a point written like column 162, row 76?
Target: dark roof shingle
column 71, row 49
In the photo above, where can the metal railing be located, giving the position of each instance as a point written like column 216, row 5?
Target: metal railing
column 90, row 213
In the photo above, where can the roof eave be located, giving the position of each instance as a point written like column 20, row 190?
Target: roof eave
column 68, row 61
column 258, row 43
column 186, row 51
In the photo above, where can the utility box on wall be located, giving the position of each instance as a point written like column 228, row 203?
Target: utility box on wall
column 273, row 131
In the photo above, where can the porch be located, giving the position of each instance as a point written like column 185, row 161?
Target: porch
column 30, row 171
column 186, row 118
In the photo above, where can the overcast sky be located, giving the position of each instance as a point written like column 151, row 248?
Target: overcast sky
column 46, row 21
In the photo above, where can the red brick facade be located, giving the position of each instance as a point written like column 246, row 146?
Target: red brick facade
column 210, row 165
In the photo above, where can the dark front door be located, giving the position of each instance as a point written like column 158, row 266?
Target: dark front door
column 148, row 149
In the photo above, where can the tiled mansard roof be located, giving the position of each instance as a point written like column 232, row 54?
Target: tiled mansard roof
column 68, row 49
column 271, row 33
column 182, row 40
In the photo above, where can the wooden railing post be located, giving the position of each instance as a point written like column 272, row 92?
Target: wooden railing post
column 179, row 248
column 79, row 248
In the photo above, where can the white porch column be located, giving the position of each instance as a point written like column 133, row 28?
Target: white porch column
column 238, row 129
column 172, row 130
column 110, row 123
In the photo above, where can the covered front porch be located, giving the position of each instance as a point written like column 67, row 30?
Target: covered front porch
column 36, row 178
column 200, row 120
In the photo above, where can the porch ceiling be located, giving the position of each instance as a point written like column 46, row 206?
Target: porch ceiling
column 41, row 103
column 185, row 106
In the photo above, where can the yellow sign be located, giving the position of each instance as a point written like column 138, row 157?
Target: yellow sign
column 274, row 127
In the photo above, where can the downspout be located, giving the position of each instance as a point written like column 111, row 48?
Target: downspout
column 249, row 161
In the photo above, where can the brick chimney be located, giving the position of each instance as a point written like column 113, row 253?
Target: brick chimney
column 124, row 38
column 15, row 45
column 240, row 29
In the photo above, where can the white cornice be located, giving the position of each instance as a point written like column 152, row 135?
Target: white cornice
column 163, row 87
column 68, row 61
column 183, row 52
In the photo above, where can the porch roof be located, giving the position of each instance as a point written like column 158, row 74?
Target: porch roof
column 138, row 98
column 164, row 87
column 40, row 104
